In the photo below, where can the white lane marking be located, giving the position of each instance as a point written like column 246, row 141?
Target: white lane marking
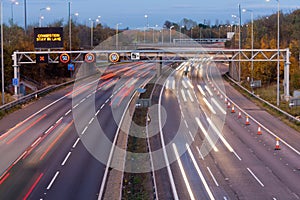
column 274, row 198
column 102, row 106
column 218, row 105
column 52, row 181
column 48, row 129
column 237, row 155
column 213, row 177
column 200, row 173
column 91, row 120
column 59, row 120
column 200, row 153
column 220, row 135
column 255, row 177
column 88, row 96
column 167, row 84
column 184, row 85
column 107, row 100
column 208, row 90
column 209, row 106
column 190, row 84
column 183, row 95
column 82, row 100
column 190, row 95
column 186, row 124
column 191, row 136
column 68, row 112
column 75, row 106
column 21, row 156
column 97, row 113
column 75, row 143
column 66, row 158
column 187, row 184
column 212, row 144
column 173, row 85
column 201, row 90
column 36, row 141
column 225, row 198
column 84, row 130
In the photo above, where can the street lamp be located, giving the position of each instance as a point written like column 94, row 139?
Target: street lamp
column 2, row 58
column 117, row 35
column 12, row 10
column 252, row 42
column 146, row 26
column 181, row 33
column 70, row 25
column 278, row 49
column 170, row 33
column 42, row 17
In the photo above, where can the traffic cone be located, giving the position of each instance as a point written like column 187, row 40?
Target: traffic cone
column 232, row 109
column 228, row 104
column 247, row 120
column 259, row 131
column 240, row 115
column 277, row 147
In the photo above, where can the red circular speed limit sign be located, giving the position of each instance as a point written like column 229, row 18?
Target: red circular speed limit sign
column 114, row 57
column 89, row 58
column 64, row 58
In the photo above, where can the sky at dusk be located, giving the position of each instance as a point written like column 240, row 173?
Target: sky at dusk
column 131, row 13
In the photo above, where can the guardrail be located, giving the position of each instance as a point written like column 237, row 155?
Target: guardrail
column 31, row 96
column 289, row 116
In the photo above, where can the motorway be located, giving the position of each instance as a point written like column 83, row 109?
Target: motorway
column 51, row 148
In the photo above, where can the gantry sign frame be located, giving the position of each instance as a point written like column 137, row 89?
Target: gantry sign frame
column 165, row 55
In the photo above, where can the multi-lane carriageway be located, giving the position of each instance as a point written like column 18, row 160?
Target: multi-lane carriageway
column 210, row 151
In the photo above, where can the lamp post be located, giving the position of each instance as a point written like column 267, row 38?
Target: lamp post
column 252, row 42
column 42, row 17
column 92, row 32
column 117, row 35
column 2, row 53
column 12, row 10
column 181, row 33
column 278, row 50
column 170, row 33
column 146, row 26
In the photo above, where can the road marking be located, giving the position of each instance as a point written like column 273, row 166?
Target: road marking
column 59, row 120
column 186, row 124
column 107, row 100
column 36, row 141
column 97, row 113
column 52, row 181
column 66, row 158
column 184, row 85
column 220, row 135
column 200, row 153
column 75, row 143
column 187, row 184
column 212, row 144
column 88, row 96
column 173, row 85
column 75, row 106
column 190, row 84
column 200, row 173
column 209, row 106
column 68, row 112
column 82, row 100
column 190, row 95
column 191, row 136
column 91, row 121
column 201, row 90
column 255, row 177
column 237, row 155
column 102, row 106
column 183, row 95
column 84, row 130
column 51, row 127
column 213, row 177
column 218, row 105
column 167, row 84
column 208, row 90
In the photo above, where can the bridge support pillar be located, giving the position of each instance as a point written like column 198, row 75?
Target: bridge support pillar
column 159, row 67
